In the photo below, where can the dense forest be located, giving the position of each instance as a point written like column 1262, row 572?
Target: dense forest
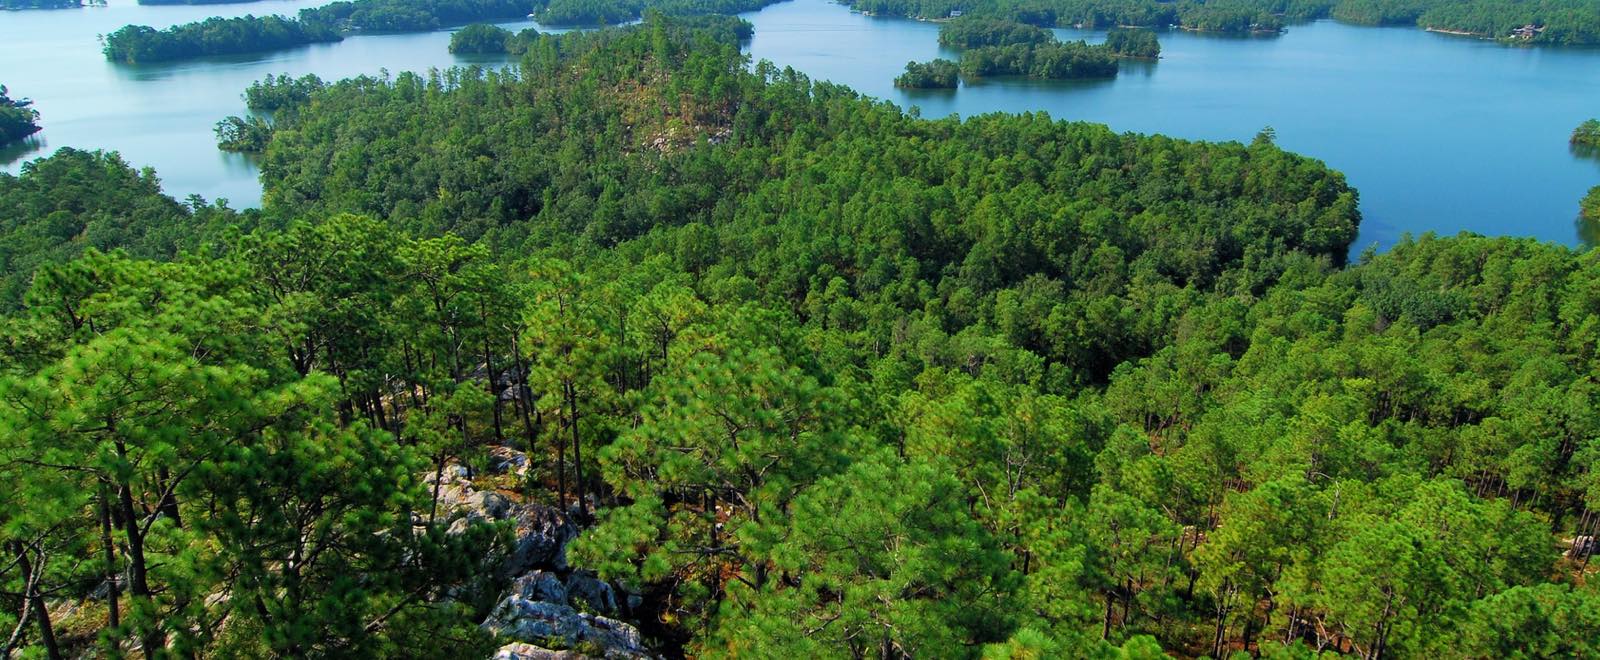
column 637, row 349
column 1137, row 43
column 411, row 15
column 1560, row 22
column 614, row 12
column 937, row 74
column 1587, row 134
column 134, row 44
column 18, row 119
column 482, row 38
column 43, row 4
column 1002, row 47
column 194, row 2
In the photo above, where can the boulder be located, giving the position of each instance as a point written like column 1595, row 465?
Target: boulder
column 453, row 473
column 540, row 586
column 520, row 619
column 542, row 534
column 595, row 594
column 505, row 460
column 520, row 651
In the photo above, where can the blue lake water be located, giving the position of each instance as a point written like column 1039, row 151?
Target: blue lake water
column 1438, row 133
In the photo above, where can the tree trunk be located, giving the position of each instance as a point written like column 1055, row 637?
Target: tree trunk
column 577, row 455
column 1105, row 629
column 109, row 550
column 41, row 615
column 151, row 639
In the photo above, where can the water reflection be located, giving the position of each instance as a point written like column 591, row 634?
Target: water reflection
column 23, row 148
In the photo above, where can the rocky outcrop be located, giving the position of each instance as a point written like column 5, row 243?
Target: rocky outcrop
column 521, row 651
column 542, row 537
column 551, row 610
column 554, row 624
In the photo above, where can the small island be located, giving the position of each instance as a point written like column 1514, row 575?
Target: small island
column 1002, row 47
column 485, row 39
column 1587, row 134
column 938, row 74
column 139, row 44
column 595, row 13
column 1589, row 206
column 18, row 119
column 1133, row 43
column 45, row 4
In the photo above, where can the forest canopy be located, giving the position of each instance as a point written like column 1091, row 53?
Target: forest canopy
column 1557, row 22
column 797, row 373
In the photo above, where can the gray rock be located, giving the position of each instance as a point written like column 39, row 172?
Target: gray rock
column 542, row 534
column 521, row 619
column 503, row 460
column 453, row 473
column 593, row 592
column 540, row 586
column 520, row 651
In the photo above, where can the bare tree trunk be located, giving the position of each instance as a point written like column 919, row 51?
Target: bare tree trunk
column 41, row 615
column 109, row 550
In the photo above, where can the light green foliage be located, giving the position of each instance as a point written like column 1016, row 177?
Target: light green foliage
column 814, row 376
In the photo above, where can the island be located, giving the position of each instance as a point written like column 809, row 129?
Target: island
column 1589, row 207
column 137, row 44
column 1587, row 134
column 993, row 47
column 592, row 13
column 482, row 38
column 45, row 4
column 18, row 119
column 1534, row 22
column 937, row 74
column 1133, row 43
column 140, row 44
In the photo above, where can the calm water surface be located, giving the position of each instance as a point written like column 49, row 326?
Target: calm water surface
column 1438, row 133
column 161, row 115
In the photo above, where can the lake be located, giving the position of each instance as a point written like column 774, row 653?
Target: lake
column 1438, row 133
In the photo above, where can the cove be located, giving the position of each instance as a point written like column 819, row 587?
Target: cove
column 161, row 115
column 1438, row 133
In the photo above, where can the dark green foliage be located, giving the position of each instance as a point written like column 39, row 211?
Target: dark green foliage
column 1133, row 43
column 481, row 38
column 18, row 119
column 243, row 134
column 614, row 12
column 1052, row 61
column 411, row 15
column 1561, row 22
column 59, row 206
column 272, row 94
column 134, row 44
column 975, row 32
column 250, row 34
column 1587, row 134
column 816, row 376
column 41, row 4
column 1589, row 207
column 938, row 74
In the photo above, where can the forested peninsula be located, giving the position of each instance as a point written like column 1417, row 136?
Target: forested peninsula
column 639, row 350
column 1555, row 22
column 134, row 44
column 18, row 119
